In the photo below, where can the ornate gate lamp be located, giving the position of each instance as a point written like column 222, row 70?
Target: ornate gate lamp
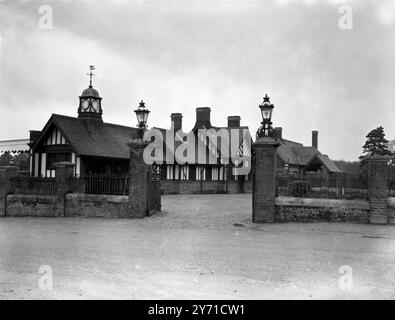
column 264, row 162
column 142, row 117
column 266, row 130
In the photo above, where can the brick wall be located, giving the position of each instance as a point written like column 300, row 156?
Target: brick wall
column 94, row 205
column 378, row 189
column 313, row 210
column 6, row 186
column 76, row 205
column 139, row 176
column 391, row 209
column 33, row 206
column 193, row 187
column 264, row 180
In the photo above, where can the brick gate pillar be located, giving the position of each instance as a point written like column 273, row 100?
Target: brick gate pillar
column 63, row 172
column 264, row 179
column 6, row 186
column 138, row 179
column 378, row 189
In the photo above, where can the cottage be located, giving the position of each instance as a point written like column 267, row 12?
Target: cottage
column 298, row 160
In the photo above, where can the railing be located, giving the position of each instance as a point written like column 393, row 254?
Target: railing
column 317, row 187
column 34, row 185
column 104, row 184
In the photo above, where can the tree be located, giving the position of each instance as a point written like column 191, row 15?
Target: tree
column 350, row 167
column 376, row 144
column 6, row 159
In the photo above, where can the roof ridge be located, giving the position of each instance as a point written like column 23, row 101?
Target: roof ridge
column 63, row 116
column 118, row 125
column 106, row 123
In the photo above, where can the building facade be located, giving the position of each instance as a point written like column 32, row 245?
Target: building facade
column 221, row 160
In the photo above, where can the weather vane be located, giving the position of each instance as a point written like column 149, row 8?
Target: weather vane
column 91, row 74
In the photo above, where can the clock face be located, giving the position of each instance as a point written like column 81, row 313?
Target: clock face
column 95, row 105
column 85, row 105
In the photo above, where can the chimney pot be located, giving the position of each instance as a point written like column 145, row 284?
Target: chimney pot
column 279, row 132
column 314, row 139
column 176, row 121
column 233, row 121
column 203, row 118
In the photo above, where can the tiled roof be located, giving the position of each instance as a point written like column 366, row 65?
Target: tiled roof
column 295, row 153
column 91, row 137
column 328, row 163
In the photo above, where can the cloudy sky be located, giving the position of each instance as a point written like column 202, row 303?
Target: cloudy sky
column 224, row 54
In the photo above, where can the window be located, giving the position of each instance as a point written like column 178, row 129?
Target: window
column 184, row 172
column 163, row 172
column 209, row 173
column 169, row 169
column 53, row 158
column 192, row 172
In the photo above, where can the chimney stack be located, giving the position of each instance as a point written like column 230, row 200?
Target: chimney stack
column 279, row 132
column 203, row 118
column 314, row 139
column 176, row 121
column 233, row 121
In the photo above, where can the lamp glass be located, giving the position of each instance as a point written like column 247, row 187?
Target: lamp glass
column 266, row 112
column 142, row 115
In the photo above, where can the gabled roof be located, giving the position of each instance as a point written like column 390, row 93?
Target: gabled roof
column 326, row 162
column 295, row 153
column 92, row 137
column 286, row 152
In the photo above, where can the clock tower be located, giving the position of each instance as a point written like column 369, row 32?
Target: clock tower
column 90, row 101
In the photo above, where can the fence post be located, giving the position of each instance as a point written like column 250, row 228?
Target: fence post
column 264, row 180
column 63, row 172
column 138, row 182
column 378, row 189
column 6, row 186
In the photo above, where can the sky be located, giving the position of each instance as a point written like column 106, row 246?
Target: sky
column 178, row 55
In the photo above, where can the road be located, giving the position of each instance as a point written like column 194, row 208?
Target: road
column 198, row 247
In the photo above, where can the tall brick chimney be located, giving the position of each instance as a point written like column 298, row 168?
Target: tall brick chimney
column 279, row 132
column 203, row 118
column 233, row 121
column 314, row 138
column 176, row 121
